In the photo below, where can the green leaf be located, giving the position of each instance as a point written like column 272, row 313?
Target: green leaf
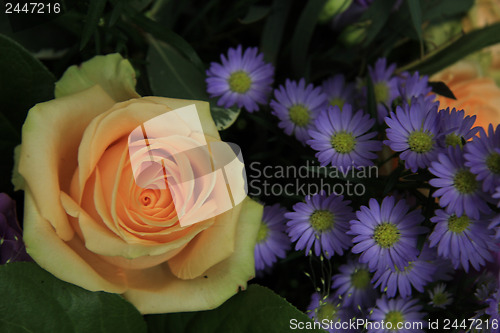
column 223, row 117
column 94, row 13
column 442, row 89
column 24, row 82
column 465, row 45
column 33, row 300
column 436, row 11
column 377, row 14
column 255, row 14
column 273, row 29
column 172, row 75
column 256, row 310
column 166, row 35
column 416, row 16
column 302, row 35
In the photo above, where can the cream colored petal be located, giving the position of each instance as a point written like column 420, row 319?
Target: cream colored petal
column 62, row 259
column 203, row 109
column 50, row 138
column 206, row 292
column 113, row 73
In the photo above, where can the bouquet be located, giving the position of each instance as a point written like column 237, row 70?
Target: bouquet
column 250, row 166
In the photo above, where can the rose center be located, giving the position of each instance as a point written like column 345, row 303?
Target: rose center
column 465, row 181
column 381, row 91
column 394, row 317
column 493, row 163
column 239, row 82
column 458, row 224
column 360, row 279
column 453, row 140
column 263, row 232
column 299, row 115
column 420, row 142
column 322, row 220
column 343, row 142
column 386, row 235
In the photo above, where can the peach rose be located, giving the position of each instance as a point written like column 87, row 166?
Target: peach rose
column 475, row 95
column 88, row 222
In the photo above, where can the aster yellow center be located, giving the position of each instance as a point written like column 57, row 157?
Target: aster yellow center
column 439, row 299
column 420, row 142
column 337, row 101
column 394, row 317
column 465, row 182
column 299, row 115
column 239, row 82
column 262, row 233
column 493, row 163
column 386, row 235
column 381, row 91
column 360, row 279
column 458, row 224
column 343, row 142
column 453, row 140
column 322, row 220
column 326, row 311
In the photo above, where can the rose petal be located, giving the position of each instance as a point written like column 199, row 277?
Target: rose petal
column 216, row 285
column 70, row 116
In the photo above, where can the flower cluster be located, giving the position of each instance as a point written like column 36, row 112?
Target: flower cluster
column 396, row 245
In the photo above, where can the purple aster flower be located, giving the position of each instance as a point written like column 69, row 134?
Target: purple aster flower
column 482, row 156
column 444, row 268
column 464, row 240
column 353, row 285
column 297, row 105
column 456, row 126
column 439, row 297
column 414, row 131
column 329, row 309
column 417, row 274
column 386, row 234
column 338, row 91
column 414, row 86
column 11, row 238
column 458, row 190
column 272, row 241
column 342, row 139
column 385, row 86
column 322, row 221
column 243, row 79
column 396, row 313
column 493, row 303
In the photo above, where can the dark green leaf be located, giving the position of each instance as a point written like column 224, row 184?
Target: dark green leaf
column 442, row 89
column 435, row 11
column 416, row 16
column 377, row 14
column 223, row 117
column 274, row 28
column 172, row 75
column 302, row 35
column 35, row 301
column 256, row 310
column 255, row 14
column 168, row 36
column 96, row 8
column 465, row 45
column 24, row 81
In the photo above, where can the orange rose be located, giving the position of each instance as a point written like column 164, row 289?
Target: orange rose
column 88, row 222
column 475, row 95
